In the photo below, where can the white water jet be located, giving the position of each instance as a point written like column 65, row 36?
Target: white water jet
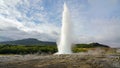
column 65, row 43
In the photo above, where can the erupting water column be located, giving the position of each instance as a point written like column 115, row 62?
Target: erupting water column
column 65, row 43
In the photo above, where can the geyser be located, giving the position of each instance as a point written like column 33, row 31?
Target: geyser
column 65, row 43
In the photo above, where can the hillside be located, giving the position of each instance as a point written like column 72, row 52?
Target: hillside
column 91, row 45
column 32, row 41
column 29, row 41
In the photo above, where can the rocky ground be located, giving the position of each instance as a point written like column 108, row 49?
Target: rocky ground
column 76, row 60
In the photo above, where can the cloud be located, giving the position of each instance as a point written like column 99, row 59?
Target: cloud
column 104, row 31
column 103, row 8
column 5, row 39
column 17, row 24
column 93, row 20
column 17, row 30
column 96, row 21
column 8, row 10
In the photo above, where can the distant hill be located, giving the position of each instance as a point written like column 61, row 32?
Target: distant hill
column 29, row 41
column 91, row 45
column 32, row 41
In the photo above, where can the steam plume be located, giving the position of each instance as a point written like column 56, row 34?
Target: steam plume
column 65, row 43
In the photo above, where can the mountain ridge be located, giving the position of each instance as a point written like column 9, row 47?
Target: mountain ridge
column 33, row 41
column 28, row 41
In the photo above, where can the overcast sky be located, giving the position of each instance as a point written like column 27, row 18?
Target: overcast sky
column 93, row 20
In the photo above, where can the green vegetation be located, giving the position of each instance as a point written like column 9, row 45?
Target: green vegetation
column 86, row 47
column 22, row 49
column 75, row 50
column 47, row 49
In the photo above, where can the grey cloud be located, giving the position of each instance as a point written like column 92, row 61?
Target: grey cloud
column 2, row 38
column 21, row 35
column 9, row 29
column 1, row 30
